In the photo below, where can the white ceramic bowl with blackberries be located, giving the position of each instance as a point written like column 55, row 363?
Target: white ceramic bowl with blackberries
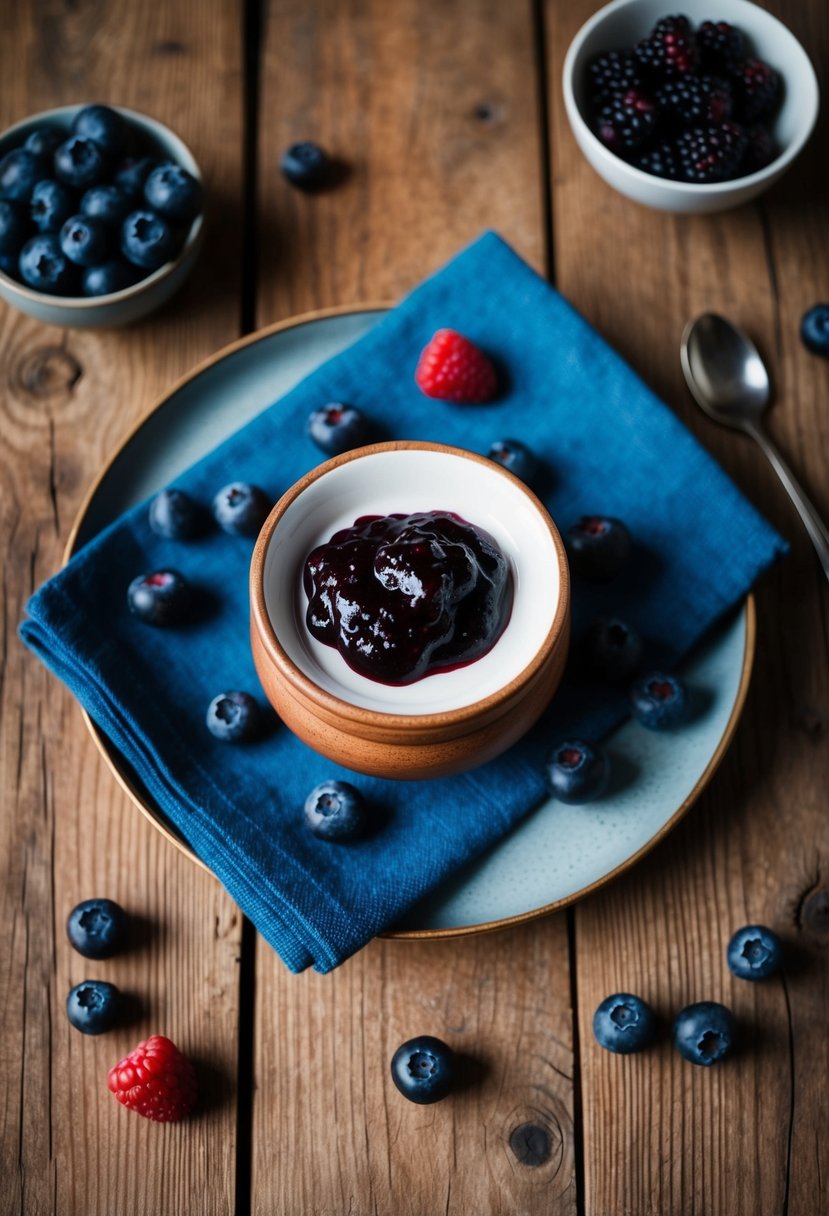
column 100, row 215
column 694, row 109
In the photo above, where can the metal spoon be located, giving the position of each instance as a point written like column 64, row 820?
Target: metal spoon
column 726, row 375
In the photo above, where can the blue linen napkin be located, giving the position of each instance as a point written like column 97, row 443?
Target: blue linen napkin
column 607, row 445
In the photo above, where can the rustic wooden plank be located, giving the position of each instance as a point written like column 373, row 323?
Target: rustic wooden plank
column 659, row 1135
column 68, row 832
column 442, row 138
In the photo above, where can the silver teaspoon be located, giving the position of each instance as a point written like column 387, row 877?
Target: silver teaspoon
column 727, row 377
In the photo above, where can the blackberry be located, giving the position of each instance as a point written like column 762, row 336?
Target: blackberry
column 693, row 101
column 612, row 73
column 669, row 51
column 760, row 149
column 660, row 161
column 710, row 154
column 721, row 46
column 757, row 90
column 626, row 121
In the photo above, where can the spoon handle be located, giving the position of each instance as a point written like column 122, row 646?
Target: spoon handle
column 814, row 525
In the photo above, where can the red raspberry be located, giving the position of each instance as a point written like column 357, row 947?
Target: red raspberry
column 156, row 1080
column 452, row 368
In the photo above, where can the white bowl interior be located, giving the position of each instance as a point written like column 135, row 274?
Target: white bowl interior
column 381, row 483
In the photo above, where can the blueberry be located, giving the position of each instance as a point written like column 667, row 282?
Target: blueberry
column 423, row 1069
column 578, row 771
column 598, row 546
column 44, row 266
column 623, row 1023
column 305, row 165
column 241, row 509
column 337, row 428
column 174, row 193
column 14, row 227
column 814, row 329
column 611, row 649
column 51, row 205
column 175, row 515
column 514, row 455
column 335, row 810
column 97, row 928
column 131, row 175
column 106, row 203
column 659, row 701
column 80, row 162
column 233, row 717
column 85, row 240
column 105, row 279
column 704, row 1033
column 103, row 125
column 92, row 1006
column 160, row 598
column 147, row 240
column 19, row 171
column 44, row 141
column 754, row 953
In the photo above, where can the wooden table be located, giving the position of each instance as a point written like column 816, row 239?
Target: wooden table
column 451, row 119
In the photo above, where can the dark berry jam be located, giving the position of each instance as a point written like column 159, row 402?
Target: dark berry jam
column 405, row 596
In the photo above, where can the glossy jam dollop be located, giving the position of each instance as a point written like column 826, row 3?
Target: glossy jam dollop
column 404, row 596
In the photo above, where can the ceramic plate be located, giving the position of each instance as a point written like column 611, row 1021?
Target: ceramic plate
column 558, row 853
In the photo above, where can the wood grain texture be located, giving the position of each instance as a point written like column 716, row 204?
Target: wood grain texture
column 661, row 1136
column 67, row 831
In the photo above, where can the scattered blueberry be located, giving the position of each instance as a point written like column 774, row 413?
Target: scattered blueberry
column 241, row 509
column 147, row 240
column 85, row 240
column 337, row 428
column 14, row 228
column 103, row 125
column 335, row 810
column 44, row 266
column 814, row 329
column 598, row 546
column 105, row 279
column 19, row 172
column 578, row 771
column 623, row 1023
column 704, row 1033
column 131, row 175
column 423, row 1069
column 160, row 598
column 97, row 928
column 305, row 165
column 612, row 650
column 174, row 193
column 515, row 456
column 92, row 1006
column 80, row 162
column 659, row 701
column 51, row 205
column 175, row 515
column 754, row 953
column 106, row 203
column 233, row 717
column 44, row 141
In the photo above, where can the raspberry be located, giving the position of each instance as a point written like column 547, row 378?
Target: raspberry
column 710, row 154
column 669, row 51
column 612, row 73
column 721, row 47
column 626, row 122
column 756, row 90
column 694, row 100
column 156, row 1080
column 452, row 368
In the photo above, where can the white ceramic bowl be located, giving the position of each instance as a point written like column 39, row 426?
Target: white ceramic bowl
column 622, row 24
column 120, row 307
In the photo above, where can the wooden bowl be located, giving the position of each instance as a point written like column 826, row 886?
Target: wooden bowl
column 447, row 722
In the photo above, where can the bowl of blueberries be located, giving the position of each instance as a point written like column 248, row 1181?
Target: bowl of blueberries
column 100, row 215
column 697, row 111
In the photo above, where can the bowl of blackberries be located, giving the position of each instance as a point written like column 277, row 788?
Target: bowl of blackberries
column 100, row 215
column 695, row 110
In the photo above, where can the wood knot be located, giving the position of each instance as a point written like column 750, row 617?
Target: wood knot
column 487, row 112
column 812, row 722
column 48, row 373
column 531, row 1144
column 170, row 46
column 813, row 915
